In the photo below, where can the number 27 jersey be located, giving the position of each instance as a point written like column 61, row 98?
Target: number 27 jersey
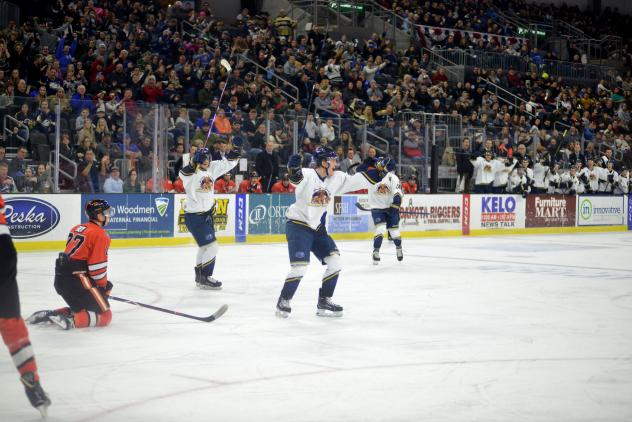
column 90, row 242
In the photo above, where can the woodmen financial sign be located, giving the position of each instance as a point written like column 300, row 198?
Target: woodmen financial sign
column 550, row 210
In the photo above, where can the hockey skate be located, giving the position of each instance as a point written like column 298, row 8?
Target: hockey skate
column 327, row 308
column 283, row 308
column 39, row 317
column 36, row 395
column 376, row 256
column 66, row 322
column 209, row 283
column 400, row 254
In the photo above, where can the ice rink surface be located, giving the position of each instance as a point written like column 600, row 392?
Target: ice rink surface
column 520, row 328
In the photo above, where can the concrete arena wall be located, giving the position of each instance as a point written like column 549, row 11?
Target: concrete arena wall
column 42, row 222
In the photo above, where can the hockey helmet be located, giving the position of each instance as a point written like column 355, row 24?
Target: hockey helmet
column 385, row 163
column 201, row 156
column 324, row 153
column 98, row 206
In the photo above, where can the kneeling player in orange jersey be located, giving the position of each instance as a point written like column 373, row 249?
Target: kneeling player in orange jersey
column 81, row 274
column 12, row 328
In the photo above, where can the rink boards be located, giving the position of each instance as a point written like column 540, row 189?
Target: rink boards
column 42, row 222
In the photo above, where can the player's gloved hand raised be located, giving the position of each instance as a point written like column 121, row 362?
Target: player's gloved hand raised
column 294, row 162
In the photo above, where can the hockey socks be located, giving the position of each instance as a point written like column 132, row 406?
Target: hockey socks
column 16, row 337
column 397, row 241
column 377, row 241
column 330, row 278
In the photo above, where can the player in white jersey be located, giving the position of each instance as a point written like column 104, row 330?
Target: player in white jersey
column 623, row 183
column 306, row 231
column 198, row 178
column 385, row 198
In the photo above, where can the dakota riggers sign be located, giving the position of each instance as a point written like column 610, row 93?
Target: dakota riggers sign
column 551, row 211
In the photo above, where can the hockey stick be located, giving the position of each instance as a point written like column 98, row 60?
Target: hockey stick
column 224, row 63
column 221, row 311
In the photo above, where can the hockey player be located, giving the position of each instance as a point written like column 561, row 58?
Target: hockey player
column 485, row 170
column 81, row 276
column 589, row 176
column 305, row 229
column 570, row 183
column 503, row 167
column 609, row 178
column 552, row 179
column 385, row 198
column 12, row 327
column 622, row 185
column 198, row 179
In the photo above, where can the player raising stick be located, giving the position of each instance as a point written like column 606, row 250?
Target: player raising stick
column 385, row 198
column 198, row 179
column 81, row 274
column 12, row 328
column 305, row 229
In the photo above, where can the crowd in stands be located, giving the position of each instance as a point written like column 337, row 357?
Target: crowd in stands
column 108, row 63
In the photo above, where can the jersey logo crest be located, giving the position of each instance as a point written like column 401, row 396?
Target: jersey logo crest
column 383, row 189
column 320, row 197
column 206, row 185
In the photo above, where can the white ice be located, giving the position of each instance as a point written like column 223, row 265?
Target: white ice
column 520, row 328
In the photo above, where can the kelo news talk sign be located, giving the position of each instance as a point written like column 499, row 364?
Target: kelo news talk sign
column 137, row 215
column 601, row 210
column 497, row 212
column 550, row 210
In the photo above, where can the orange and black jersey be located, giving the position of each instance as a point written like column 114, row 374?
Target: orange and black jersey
column 89, row 243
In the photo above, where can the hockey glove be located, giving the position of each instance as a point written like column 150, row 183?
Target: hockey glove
column 294, row 163
column 105, row 290
column 611, row 178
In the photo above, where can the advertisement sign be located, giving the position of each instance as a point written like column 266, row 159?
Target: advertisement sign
column 223, row 212
column 630, row 212
column 41, row 217
column 600, row 210
column 346, row 217
column 137, row 215
column 497, row 212
column 550, row 211
column 241, row 208
column 465, row 228
column 431, row 212
column 266, row 213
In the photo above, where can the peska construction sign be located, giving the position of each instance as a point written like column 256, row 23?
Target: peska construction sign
column 550, row 211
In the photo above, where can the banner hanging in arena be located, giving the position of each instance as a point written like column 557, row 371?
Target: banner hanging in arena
column 431, row 212
column 266, row 213
column 600, row 210
column 137, row 215
column 41, row 217
column 223, row 216
column 497, row 212
column 346, row 217
column 550, row 211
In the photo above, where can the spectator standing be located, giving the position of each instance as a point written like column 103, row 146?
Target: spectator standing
column 267, row 165
column 464, row 167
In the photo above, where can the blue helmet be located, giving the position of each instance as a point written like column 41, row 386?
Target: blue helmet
column 324, row 153
column 201, row 156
